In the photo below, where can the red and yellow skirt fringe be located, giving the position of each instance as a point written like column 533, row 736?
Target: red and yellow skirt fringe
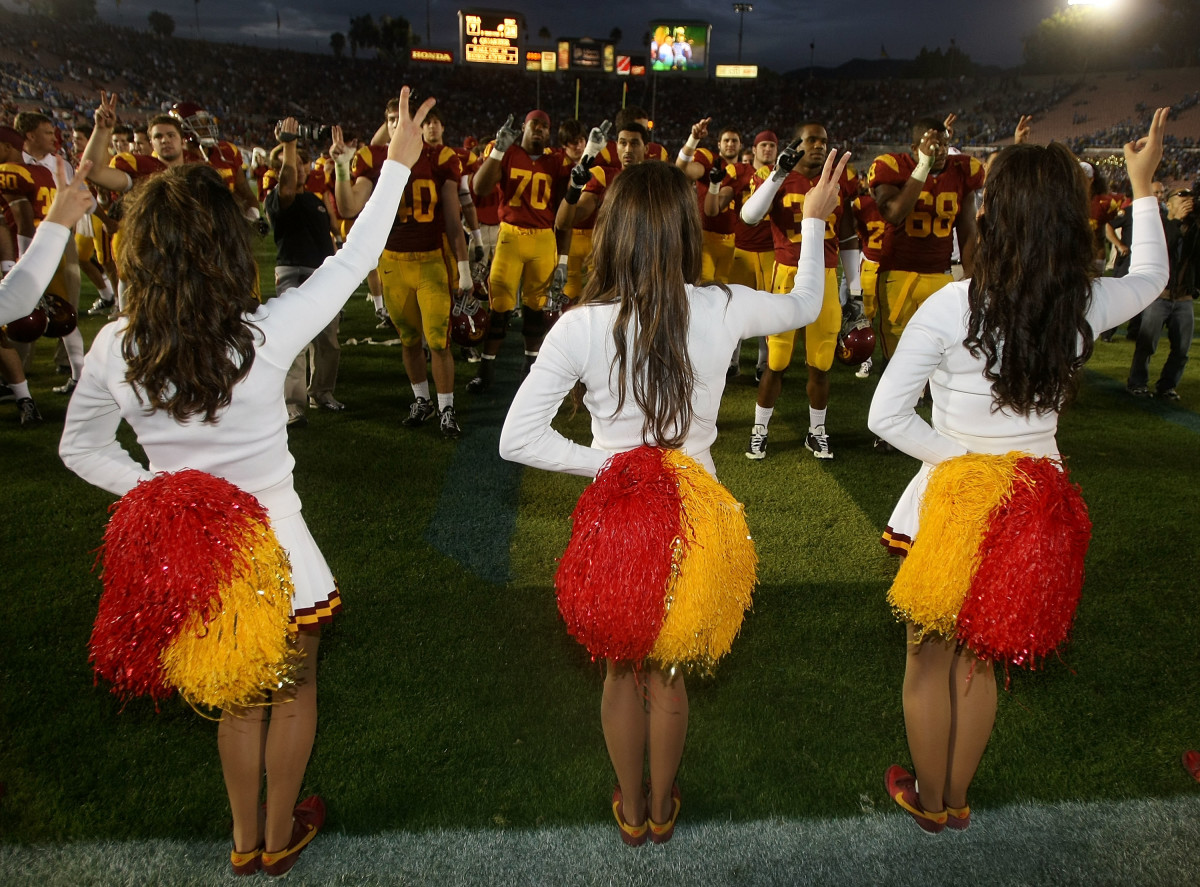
column 660, row 566
column 197, row 596
column 998, row 561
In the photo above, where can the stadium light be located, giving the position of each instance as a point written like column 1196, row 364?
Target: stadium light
column 1099, row 3
column 741, row 9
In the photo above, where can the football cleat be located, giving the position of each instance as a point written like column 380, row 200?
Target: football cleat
column 758, row 443
column 102, row 307
column 27, row 411
column 865, row 370
column 421, row 410
column 817, row 443
column 449, row 424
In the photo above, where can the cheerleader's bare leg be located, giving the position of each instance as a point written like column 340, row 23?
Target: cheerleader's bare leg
column 973, row 714
column 623, row 718
column 928, row 714
column 290, row 735
column 668, row 704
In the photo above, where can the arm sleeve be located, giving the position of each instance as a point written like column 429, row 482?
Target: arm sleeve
column 296, row 317
column 893, row 414
column 763, row 314
column 527, row 436
column 756, row 208
column 1116, row 299
column 23, row 286
column 89, row 444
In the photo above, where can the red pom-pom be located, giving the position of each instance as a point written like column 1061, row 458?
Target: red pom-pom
column 613, row 577
column 1023, row 597
column 169, row 545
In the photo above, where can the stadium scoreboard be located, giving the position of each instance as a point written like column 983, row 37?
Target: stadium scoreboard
column 492, row 37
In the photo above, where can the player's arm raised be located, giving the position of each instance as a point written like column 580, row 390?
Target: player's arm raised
column 487, row 176
column 351, row 195
column 97, row 147
column 685, row 160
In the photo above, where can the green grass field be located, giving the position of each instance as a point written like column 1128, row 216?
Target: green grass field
column 452, row 696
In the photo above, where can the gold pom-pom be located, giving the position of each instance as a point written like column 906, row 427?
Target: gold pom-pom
column 712, row 583
column 933, row 581
column 241, row 647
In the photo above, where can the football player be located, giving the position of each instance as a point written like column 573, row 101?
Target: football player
column 925, row 196
column 91, row 239
column 588, row 186
column 531, row 176
column 782, row 197
column 753, row 262
column 708, row 170
column 416, row 286
column 432, row 131
column 870, row 226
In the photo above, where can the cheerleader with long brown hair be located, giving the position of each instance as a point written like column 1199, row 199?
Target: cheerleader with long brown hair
column 650, row 346
column 196, row 366
column 996, row 571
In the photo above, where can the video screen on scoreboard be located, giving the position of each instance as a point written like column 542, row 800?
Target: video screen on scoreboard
column 681, row 47
column 491, row 37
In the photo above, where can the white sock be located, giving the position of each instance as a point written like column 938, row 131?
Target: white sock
column 762, row 415
column 445, row 400
column 73, row 342
column 107, row 293
column 20, row 390
column 816, row 418
column 421, row 389
column 377, row 301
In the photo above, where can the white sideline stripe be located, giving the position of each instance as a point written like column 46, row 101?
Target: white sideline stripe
column 1150, row 842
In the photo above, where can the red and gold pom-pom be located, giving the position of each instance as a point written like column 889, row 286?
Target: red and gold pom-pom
column 197, row 595
column 660, row 564
column 1023, row 597
column 959, row 499
column 611, row 578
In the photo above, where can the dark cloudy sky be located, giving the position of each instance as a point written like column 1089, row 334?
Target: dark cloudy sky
column 777, row 32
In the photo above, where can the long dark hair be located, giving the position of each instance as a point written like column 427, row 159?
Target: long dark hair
column 646, row 249
column 1033, row 279
column 190, row 274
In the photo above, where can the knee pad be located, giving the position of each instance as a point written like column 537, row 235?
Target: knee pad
column 534, row 325
column 498, row 325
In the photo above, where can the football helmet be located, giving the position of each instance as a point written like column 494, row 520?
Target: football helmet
column 856, row 344
column 469, row 318
column 197, row 123
column 61, row 318
column 28, row 328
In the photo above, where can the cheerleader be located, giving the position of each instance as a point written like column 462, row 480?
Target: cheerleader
column 1002, row 354
column 650, row 347
column 196, row 365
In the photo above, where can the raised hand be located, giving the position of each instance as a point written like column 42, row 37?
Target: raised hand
column 948, row 125
column 339, row 151
column 597, row 140
column 288, row 130
column 1142, row 156
column 1023, row 130
column 406, row 144
column 105, row 115
column 581, row 174
column 716, row 175
column 823, row 197
column 788, row 159
column 507, row 135
column 700, row 128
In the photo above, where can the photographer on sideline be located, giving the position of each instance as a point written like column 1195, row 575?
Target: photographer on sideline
column 303, row 240
column 1174, row 308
